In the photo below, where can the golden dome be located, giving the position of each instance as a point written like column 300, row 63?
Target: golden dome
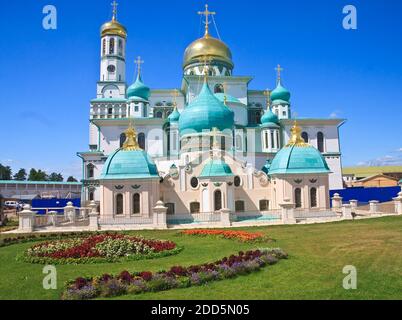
column 114, row 28
column 207, row 47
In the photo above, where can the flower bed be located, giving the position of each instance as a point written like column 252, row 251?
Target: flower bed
column 98, row 248
column 177, row 277
column 228, row 234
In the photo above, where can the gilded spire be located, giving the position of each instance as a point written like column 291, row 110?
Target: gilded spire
column 296, row 139
column 206, row 13
column 131, row 143
column 114, row 5
column 267, row 94
column 278, row 71
column 139, row 62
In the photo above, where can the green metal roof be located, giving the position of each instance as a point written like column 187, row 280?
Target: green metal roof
column 175, row 116
column 40, row 182
column 298, row 160
column 280, row 93
column 129, row 165
column 205, row 113
column 138, row 89
column 269, row 118
column 216, row 168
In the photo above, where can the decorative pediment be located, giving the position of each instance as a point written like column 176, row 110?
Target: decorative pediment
column 298, row 181
column 119, row 187
column 136, row 187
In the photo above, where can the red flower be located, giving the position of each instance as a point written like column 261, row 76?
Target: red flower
column 147, row 276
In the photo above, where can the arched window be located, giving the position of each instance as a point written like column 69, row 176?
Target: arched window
column 136, row 203
column 237, row 181
column 320, row 142
column 122, row 139
column 104, row 47
column 194, row 183
column 111, row 46
column 266, row 140
column 272, row 140
column 298, row 198
column 91, row 196
column 239, row 143
column 305, row 137
column 159, row 115
column 258, row 117
column 119, row 204
column 218, row 200
column 223, row 143
column 240, row 206
column 219, row 89
column 264, row 205
column 195, row 207
column 141, row 141
column 313, row 198
column 120, row 47
column 90, row 171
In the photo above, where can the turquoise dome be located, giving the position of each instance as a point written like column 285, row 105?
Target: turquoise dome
column 269, row 119
column 216, row 168
column 280, row 93
column 205, row 113
column 296, row 159
column 135, row 164
column 138, row 90
column 174, row 116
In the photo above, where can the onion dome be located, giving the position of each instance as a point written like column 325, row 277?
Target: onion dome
column 280, row 94
column 174, row 116
column 130, row 162
column 205, row 113
column 216, row 168
column 113, row 27
column 138, row 90
column 269, row 119
column 298, row 157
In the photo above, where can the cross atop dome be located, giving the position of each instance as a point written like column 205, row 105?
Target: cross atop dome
column 279, row 69
column 114, row 5
column 139, row 62
column 206, row 13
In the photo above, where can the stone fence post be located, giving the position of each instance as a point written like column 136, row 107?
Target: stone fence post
column 159, row 215
column 336, row 202
column 53, row 218
column 288, row 211
column 93, row 217
column 27, row 219
column 398, row 203
column 354, row 204
column 347, row 212
column 225, row 218
column 374, row 206
column 69, row 212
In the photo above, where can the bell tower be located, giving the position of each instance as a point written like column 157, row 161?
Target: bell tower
column 113, row 50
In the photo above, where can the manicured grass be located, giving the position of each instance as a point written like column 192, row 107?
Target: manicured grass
column 318, row 254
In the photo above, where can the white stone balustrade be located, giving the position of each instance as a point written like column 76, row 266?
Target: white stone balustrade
column 336, row 202
column 374, row 206
column 398, row 203
column 354, row 204
column 93, row 217
column 69, row 212
column 288, row 211
column 27, row 219
column 225, row 218
column 347, row 212
column 160, row 216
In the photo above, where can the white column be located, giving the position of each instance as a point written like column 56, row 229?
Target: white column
column 354, row 203
column 225, row 218
column 93, row 217
column 336, row 202
column 374, row 206
column 347, row 212
column 159, row 216
column 288, row 215
column 26, row 219
column 276, row 140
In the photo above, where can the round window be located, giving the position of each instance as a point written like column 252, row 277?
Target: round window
column 237, row 181
column 111, row 68
column 194, row 183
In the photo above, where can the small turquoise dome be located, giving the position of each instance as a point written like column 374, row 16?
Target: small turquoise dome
column 174, row 116
column 298, row 160
column 135, row 164
column 269, row 119
column 205, row 113
column 138, row 90
column 280, row 93
column 216, row 168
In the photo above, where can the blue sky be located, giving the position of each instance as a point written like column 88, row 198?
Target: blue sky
column 47, row 78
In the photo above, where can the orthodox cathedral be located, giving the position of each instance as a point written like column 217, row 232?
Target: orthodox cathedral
column 209, row 145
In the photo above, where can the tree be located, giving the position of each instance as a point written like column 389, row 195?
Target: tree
column 5, row 173
column 72, row 179
column 37, row 175
column 55, row 177
column 21, row 175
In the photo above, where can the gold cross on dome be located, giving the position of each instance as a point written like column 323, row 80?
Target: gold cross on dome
column 114, row 5
column 206, row 13
column 206, row 60
column 175, row 95
column 267, row 94
column 279, row 70
column 139, row 62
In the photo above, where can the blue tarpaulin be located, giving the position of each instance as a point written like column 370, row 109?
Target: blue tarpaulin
column 365, row 195
column 52, row 204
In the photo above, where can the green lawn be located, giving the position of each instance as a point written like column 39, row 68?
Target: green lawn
column 318, row 254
